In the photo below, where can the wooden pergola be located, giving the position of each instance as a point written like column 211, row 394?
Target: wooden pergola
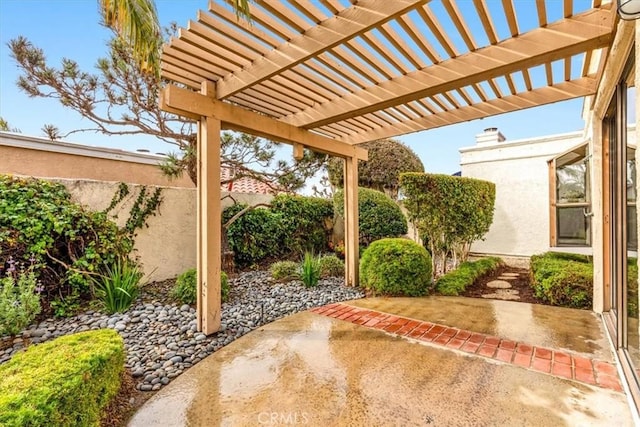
column 330, row 74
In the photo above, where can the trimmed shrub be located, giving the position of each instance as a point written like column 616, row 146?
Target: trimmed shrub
column 38, row 220
column 396, row 267
column 64, row 382
column 186, row 287
column 331, row 266
column 455, row 282
column 379, row 216
column 387, row 160
column 305, row 222
column 255, row 236
column 285, row 270
column 562, row 280
column 450, row 212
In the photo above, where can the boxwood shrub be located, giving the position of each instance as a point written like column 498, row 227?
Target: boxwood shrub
column 563, row 279
column 379, row 216
column 455, row 282
column 396, row 266
column 64, row 382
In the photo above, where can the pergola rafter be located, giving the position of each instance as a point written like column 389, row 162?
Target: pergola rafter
column 330, row 74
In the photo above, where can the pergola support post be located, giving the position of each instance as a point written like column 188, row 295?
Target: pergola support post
column 209, row 219
column 351, row 232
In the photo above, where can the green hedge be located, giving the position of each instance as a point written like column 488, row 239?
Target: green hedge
column 563, row 279
column 455, row 282
column 396, row 266
column 305, row 223
column 64, row 382
column 379, row 216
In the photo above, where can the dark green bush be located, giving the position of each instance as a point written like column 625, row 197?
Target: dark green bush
column 259, row 234
column 388, row 158
column 562, row 279
column 64, row 382
column 331, row 266
column 285, row 270
column 396, row 267
column 186, row 287
column 379, row 216
column 39, row 220
column 305, row 222
column 455, row 282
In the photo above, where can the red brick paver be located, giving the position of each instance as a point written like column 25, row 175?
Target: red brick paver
column 539, row 359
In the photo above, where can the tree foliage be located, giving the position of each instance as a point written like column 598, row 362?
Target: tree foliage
column 388, row 158
column 450, row 212
column 120, row 99
column 378, row 215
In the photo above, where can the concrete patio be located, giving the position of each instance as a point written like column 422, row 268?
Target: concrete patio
column 440, row 361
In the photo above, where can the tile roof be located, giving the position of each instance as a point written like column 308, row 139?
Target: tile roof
column 245, row 184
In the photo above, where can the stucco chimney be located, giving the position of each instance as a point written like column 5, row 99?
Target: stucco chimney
column 489, row 136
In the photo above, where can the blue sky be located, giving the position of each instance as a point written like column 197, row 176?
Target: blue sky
column 70, row 28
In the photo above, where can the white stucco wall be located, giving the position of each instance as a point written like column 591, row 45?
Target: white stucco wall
column 519, row 170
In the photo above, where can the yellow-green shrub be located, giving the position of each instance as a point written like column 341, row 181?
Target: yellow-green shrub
column 455, row 282
column 64, row 382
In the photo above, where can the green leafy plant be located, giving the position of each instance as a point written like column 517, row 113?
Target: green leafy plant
column 19, row 299
column 456, row 281
column 68, row 243
column 396, row 266
column 306, row 222
column 378, row 215
column 310, row 270
column 119, row 285
column 331, row 266
column 64, row 382
column 285, row 271
column 449, row 212
column 563, row 280
column 186, row 287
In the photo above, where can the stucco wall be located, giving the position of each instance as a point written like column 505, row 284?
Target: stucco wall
column 168, row 246
column 519, row 170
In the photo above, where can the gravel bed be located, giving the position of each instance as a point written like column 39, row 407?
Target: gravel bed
column 161, row 339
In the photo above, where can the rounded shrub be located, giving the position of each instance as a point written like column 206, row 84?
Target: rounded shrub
column 395, row 266
column 186, row 287
column 331, row 266
column 285, row 271
column 64, row 382
column 379, row 216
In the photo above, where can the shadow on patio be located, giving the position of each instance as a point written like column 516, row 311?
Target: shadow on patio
column 400, row 361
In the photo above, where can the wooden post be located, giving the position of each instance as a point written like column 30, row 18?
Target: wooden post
column 209, row 221
column 351, row 232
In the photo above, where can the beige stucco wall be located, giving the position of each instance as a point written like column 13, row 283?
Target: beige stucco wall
column 519, row 170
column 168, row 246
column 30, row 156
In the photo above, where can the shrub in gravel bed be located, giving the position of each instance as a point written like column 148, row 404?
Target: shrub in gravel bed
column 396, row 266
column 186, row 287
column 284, row 271
column 64, row 382
column 331, row 266
column 455, row 282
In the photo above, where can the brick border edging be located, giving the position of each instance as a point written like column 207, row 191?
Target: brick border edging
column 539, row 359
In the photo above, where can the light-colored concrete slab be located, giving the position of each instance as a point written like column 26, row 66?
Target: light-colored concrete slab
column 498, row 284
column 580, row 331
column 312, row 370
column 510, row 274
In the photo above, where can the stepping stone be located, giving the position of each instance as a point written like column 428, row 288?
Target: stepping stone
column 498, row 284
column 504, row 294
column 506, row 278
column 509, row 274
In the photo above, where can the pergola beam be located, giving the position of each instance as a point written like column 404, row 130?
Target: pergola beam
column 349, row 23
column 563, row 91
column 195, row 105
column 569, row 36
